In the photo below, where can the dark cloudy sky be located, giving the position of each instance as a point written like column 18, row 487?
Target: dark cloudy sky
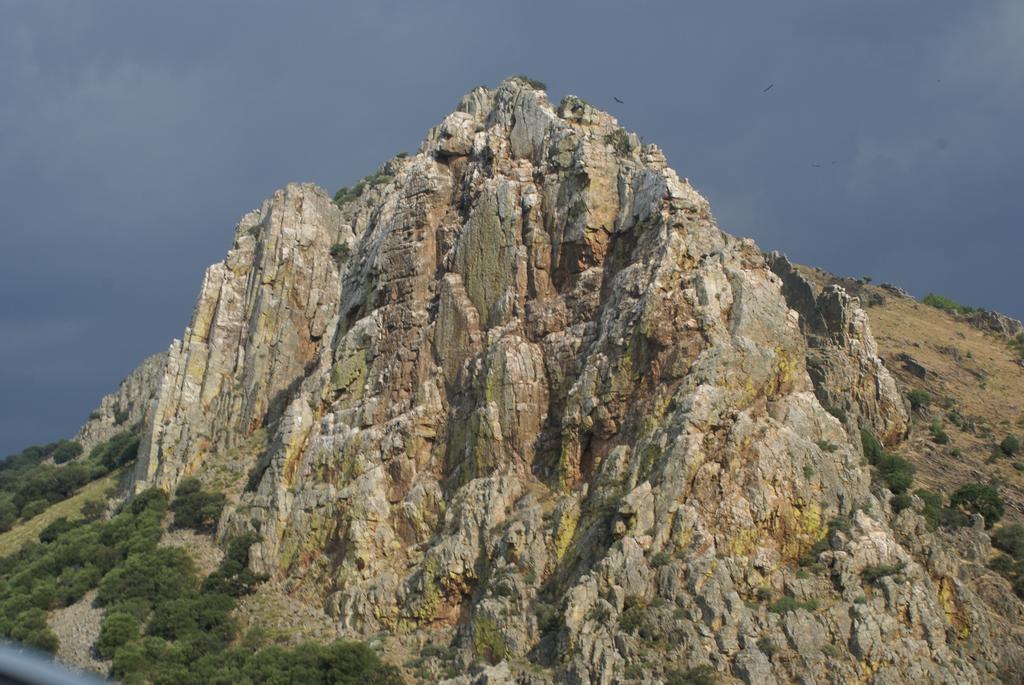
column 134, row 134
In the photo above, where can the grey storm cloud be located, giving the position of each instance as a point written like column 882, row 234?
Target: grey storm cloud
column 133, row 135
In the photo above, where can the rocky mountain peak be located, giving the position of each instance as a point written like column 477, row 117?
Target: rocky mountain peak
column 520, row 391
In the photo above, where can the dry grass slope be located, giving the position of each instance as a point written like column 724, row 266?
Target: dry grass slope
column 974, row 380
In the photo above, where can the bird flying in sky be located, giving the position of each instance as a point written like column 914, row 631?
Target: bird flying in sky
column 618, row 100
column 770, row 86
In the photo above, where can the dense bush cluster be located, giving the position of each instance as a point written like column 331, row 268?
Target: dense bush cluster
column 946, row 304
column 1010, row 540
column 978, row 498
column 163, row 626
column 896, row 472
column 162, row 623
column 65, row 451
column 28, row 486
column 919, row 398
column 75, row 557
column 196, row 508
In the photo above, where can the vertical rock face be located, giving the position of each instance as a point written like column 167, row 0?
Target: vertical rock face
column 259, row 321
column 129, row 406
column 523, row 385
column 842, row 356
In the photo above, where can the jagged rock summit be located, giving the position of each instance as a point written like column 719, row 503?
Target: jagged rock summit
column 518, row 394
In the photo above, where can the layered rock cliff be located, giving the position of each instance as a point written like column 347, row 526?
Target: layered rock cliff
column 519, row 390
column 129, row 406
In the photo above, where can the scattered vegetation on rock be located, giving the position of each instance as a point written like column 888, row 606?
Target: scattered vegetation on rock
column 919, row 398
column 532, row 82
column 978, row 498
column 340, row 252
column 896, row 472
column 619, row 141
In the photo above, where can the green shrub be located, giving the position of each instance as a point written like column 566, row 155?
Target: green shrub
column 786, row 604
column 958, row 420
column 977, row 498
column 873, row 574
column 30, row 629
column 161, row 573
column 8, row 513
column 701, row 675
column 233, row 577
column 346, row 194
column 533, row 83
column 118, row 628
column 116, row 452
column 946, row 304
column 93, row 509
column 599, row 612
column 1010, row 445
column 838, row 412
column 830, row 650
column 660, row 559
column 66, row 451
column 767, row 646
column 810, row 558
column 897, row 472
column 619, row 141
column 932, row 506
column 153, row 499
column 919, row 398
column 839, row 523
column 826, row 446
column 34, row 508
column 56, row 528
column 196, row 508
column 340, row 252
column 900, row 502
column 939, row 436
column 873, row 449
column 488, row 641
column 636, row 618
column 549, row 619
column 1010, row 539
column 190, row 632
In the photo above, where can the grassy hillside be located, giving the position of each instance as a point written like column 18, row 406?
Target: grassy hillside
column 161, row 612
column 967, row 387
column 71, row 508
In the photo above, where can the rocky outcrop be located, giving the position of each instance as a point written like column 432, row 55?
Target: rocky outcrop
column 521, row 385
column 1000, row 324
column 130, row 406
column 842, row 357
column 257, row 325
